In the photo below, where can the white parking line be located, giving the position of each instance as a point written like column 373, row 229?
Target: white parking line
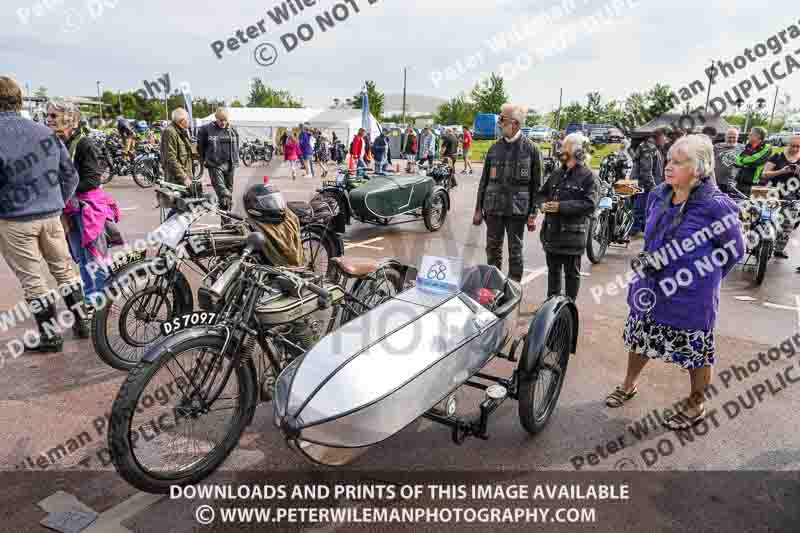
column 363, row 244
column 779, row 306
column 533, row 275
column 129, row 208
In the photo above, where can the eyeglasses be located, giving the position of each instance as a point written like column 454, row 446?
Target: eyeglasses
column 504, row 120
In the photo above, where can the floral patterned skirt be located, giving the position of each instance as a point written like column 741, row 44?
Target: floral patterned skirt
column 689, row 348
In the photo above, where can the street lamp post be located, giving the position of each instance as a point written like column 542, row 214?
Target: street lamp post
column 405, row 80
column 711, row 77
column 100, row 100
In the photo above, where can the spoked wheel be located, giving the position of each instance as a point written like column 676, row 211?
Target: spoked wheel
column 546, row 355
column 597, row 243
column 247, row 158
column 373, row 290
column 317, row 251
column 177, row 419
column 106, row 170
column 143, row 175
column 127, row 325
column 764, row 253
column 435, row 211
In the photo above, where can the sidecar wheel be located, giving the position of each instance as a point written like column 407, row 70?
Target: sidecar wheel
column 547, row 357
column 435, row 211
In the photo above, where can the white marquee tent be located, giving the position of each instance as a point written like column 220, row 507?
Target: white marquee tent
column 260, row 122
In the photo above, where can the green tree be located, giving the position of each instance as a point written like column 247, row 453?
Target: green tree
column 236, row 103
column 489, row 95
column 376, row 100
column 593, row 112
column 534, row 118
column 458, row 110
column 574, row 113
column 41, row 92
column 263, row 96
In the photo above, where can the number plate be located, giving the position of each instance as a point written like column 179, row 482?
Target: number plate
column 605, row 203
column 440, row 274
column 198, row 318
column 171, row 232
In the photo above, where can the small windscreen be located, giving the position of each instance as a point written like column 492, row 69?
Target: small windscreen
column 482, row 277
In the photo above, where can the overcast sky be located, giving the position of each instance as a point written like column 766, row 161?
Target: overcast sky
column 67, row 50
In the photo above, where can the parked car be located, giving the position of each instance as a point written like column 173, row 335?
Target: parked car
column 615, row 135
column 599, row 136
column 540, row 134
column 782, row 138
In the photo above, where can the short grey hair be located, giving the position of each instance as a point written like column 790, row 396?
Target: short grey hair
column 179, row 114
column 72, row 114
column 700, row 152
column 576, row 140
column 222, row 112
column 516, row 112
column 761, row 132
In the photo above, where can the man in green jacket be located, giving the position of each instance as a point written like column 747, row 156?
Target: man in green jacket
column 176, row 150
column 752, row 160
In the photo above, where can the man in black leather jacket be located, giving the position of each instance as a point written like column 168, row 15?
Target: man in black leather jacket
column 218, row 146
column 512, row 174
column 568, row 198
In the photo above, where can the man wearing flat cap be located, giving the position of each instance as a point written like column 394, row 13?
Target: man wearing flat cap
column 512, row 175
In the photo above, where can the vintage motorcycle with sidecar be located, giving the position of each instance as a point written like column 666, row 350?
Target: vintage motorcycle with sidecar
column 389, row 199
column 407, row 359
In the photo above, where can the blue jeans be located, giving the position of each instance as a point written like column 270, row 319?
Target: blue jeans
column 310, row 159
column 94, row 278
column 639, row 211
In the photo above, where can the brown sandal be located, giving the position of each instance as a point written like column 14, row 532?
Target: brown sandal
column 619, row 397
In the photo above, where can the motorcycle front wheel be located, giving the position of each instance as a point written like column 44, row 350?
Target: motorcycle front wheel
column 197, row 410
column 143, row 176
column 247, row 158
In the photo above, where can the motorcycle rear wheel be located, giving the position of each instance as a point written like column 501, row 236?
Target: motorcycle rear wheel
column 133, row 457
column 597, row 241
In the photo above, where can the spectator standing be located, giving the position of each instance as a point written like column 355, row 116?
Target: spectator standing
column 567, row 199
column 725, row 154
column 31, row 203
column 323, row 150
column 176, row 150
column 467, row 149
column 380, row 149
column 410, row 149
column 511, row 178
column 783, row 172
column 282, row 141
column 678, row 327
column 307, row 150
column 357, row 148
column 127, row 135
column 647, row 168
column 752, row 160
column 90, row 216
column 292, row 154
column 218, row 146
column 426, row 147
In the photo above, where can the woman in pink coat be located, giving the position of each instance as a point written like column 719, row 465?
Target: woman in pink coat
column 292, row 154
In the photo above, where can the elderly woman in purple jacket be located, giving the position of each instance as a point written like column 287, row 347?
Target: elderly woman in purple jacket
column 693, row 239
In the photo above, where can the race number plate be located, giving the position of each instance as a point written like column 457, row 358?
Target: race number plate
column 198, row 318
column 171, row 232
column 440, row 274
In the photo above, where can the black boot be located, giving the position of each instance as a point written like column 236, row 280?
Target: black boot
column 75, row 303
column 49, row 338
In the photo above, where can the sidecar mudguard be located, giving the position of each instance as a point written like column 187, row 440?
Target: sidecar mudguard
column 540, row 325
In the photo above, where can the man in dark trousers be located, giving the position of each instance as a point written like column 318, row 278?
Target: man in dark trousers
column 568, row 198
column 511, row 177
column 218, row 146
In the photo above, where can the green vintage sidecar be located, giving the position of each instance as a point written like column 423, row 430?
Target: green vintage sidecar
column 391, row 199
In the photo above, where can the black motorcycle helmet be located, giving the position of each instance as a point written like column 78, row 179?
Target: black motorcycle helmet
column 265, row 203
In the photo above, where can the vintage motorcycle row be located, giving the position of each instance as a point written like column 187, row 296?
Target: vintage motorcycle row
column 768, row 219
column 348, row 351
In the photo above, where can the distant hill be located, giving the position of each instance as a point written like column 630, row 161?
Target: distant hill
column 415, row 103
